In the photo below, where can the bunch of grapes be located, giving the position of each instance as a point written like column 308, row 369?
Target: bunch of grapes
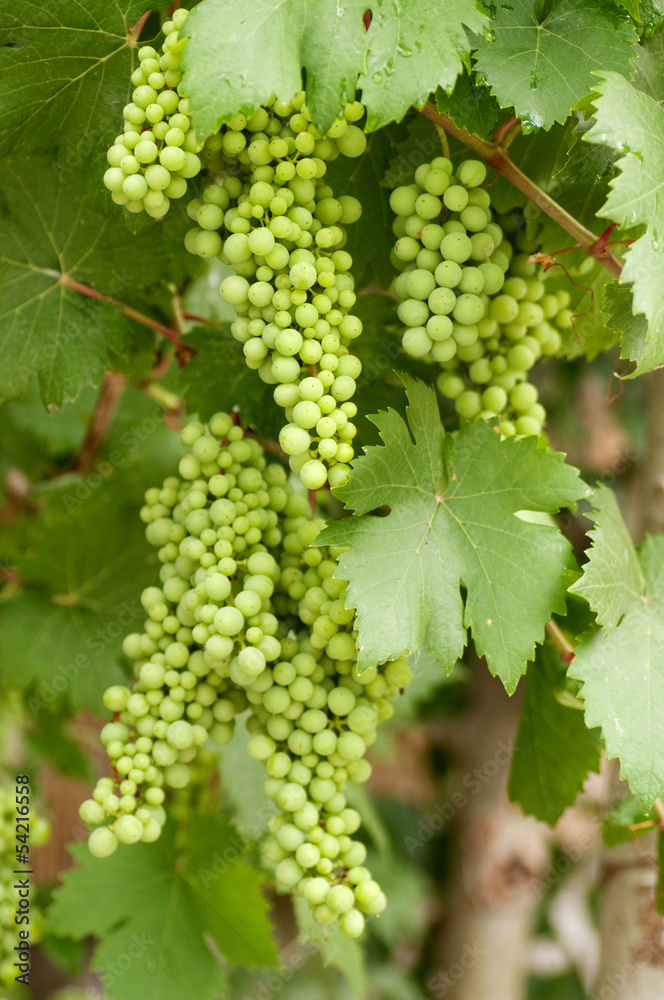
column 469, row 304
column 248, row 616
column 275, row 220
column 152, row 159
column 9, row 892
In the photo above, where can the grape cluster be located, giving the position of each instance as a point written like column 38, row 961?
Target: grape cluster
column 275, row 220
column 9, row 893
column 248, row 617
column 469, row 304
column 152, row 159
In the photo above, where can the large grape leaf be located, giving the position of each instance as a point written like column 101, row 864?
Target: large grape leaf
column 85, row 560
column 554, row 750
column 452, row 522
column 622, row 668
column 64, row 74
column 238, row 54
column 161, row 910
column 612, row 580
column 49, row 235
column 632, row 122
column 414, row 48
column 543, row 67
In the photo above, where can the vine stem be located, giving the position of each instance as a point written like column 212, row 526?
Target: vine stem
column 563, row 646
column 496, row 155
column 112, row 387
column 129, row 311
column 136, row 29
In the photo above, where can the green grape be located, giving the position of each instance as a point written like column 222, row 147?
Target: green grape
column 455, row 198
column 471, row 173
column 416, row 342
column 456, row 247
column 469, row 309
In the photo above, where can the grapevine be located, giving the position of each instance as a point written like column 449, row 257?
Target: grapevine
column 311, row 317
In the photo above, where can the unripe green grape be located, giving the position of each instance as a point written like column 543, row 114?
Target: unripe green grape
column 520, row 358
column 456, row 247
column 313, row 474
column 448, row 274
column 442, row 301
column 408, row 248
column 495, row 399
column 482, row 247
column 428, row 206
column 234, row 289
column 413, row 312
column 504, row 308
column 526, row 426
column 472, row 281
column 102, row 842
column 474, row 219
column 471, row 173
column 416, row 342
column 439, row 328
column 469, row 309
column 455, row 198
column 523, row 396
column 417, row 284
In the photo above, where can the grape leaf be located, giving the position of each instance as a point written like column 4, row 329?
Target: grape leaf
column 452, row 521
column 630, row 328
column 242, row 778
column 160, row 910
column 414, row 48
column 622, row 670
column 644, row 267
column 369, row 240
column 64, row 73
column 217, row 378
column 631, row 6
column 48, row 235
column 48, row 739
column 627, row 813
column 470, row 106
column 238, row 55
column 335, row 948
column 554, row 750
column 542, row 68
column 85, row 562
column 649, row 76
column 633, row 123
column 612, row 580
column 651, row 13
column 590, row 333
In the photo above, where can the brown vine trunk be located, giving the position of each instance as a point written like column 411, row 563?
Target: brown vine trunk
column 500, row 859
